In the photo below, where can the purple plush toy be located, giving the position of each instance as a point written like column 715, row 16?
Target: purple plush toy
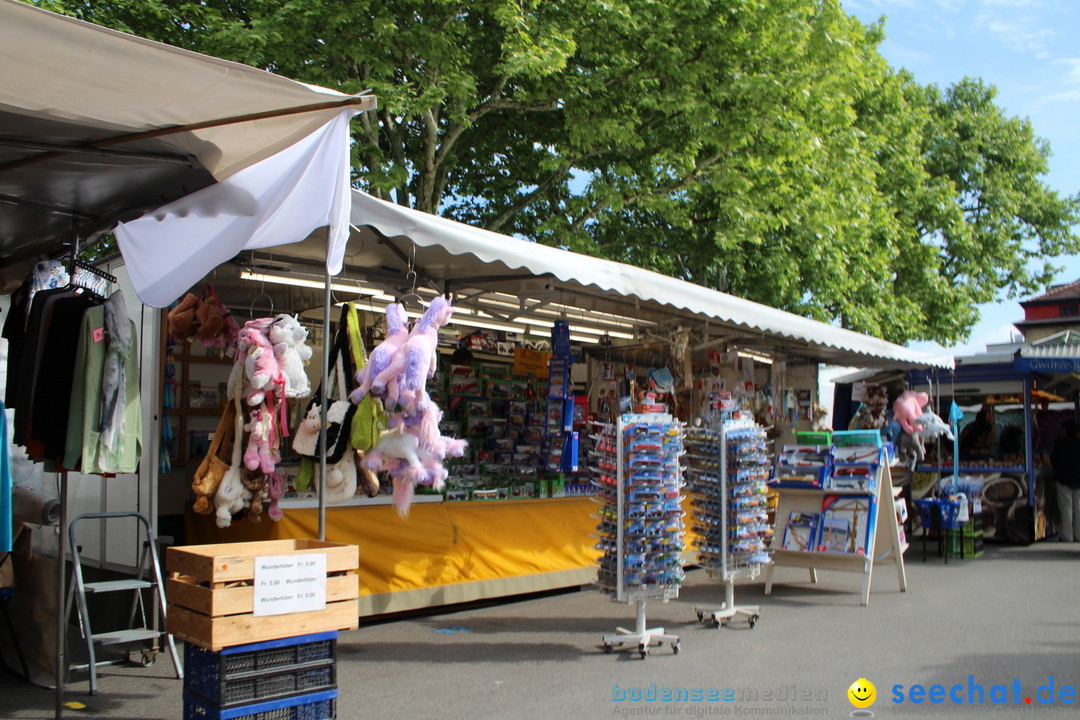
column 397, row 332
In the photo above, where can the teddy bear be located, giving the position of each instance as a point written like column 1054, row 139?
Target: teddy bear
column 288, row 338
column 182, row 320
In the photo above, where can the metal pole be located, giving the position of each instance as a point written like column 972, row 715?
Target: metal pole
column 325, row 404
column 61, row 597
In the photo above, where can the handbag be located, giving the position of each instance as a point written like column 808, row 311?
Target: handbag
column 213, row 467
column 369, row 418
column 340, row 413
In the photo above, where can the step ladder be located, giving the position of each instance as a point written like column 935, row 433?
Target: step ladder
column 148, row 577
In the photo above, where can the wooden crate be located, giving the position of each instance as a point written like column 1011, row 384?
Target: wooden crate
column 211, row 594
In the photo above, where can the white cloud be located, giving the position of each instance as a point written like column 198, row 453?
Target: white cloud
column 1018, row 34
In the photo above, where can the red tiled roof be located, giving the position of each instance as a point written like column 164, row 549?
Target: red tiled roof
column 1068, row 291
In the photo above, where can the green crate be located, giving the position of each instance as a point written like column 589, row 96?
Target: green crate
column 973, row 545
column 805, row 437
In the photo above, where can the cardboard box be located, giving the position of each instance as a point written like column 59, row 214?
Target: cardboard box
column 211, row 592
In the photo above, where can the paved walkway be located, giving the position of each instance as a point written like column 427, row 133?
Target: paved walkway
column 1003, row 628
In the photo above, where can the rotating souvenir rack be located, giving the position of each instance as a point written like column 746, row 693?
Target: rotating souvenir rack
column 635, row 466
column 727, row 471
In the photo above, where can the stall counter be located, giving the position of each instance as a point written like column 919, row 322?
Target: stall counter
column 442, row 553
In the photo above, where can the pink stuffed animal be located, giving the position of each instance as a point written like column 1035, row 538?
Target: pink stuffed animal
column 260, row 453
column 262, row 371
column 397, row 333
column 275, row 488
column 908, row 407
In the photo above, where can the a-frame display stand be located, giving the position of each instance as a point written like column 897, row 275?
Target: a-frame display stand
column 884, row 546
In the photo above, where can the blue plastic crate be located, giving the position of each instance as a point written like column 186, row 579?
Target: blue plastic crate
column 261, row 671
column 313, row 706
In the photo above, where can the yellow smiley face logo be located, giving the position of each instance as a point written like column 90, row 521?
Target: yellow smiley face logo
column 862, row 693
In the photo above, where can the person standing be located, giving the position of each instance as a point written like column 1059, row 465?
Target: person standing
column 1065, row 459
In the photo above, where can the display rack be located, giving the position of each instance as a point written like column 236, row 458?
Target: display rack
column 846, row 520
column 727, row 470
column 635, row 467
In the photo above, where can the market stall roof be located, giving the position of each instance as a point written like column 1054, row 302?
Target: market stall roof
column 510, row 279
column 97, row 126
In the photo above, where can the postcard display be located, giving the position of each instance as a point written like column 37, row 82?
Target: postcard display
column 727, row 470
column 837, row 509
column 635, row 467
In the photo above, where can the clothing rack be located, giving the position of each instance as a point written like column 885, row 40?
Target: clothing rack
column 94, row 279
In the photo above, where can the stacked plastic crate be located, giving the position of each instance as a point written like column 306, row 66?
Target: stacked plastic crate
column 289, row 679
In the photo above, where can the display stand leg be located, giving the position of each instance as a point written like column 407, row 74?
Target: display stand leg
column 729, row 610
column 641, row 636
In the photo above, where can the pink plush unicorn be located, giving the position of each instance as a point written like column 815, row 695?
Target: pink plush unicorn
column 397, row 333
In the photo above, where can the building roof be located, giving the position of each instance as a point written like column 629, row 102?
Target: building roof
column 1057, row 293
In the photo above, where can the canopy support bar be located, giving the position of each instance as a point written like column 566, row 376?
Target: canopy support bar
column 362, row 103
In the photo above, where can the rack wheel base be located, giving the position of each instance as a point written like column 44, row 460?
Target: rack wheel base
column 675, row 647
column 643, row 650
column 609, row 648
column 753, row 620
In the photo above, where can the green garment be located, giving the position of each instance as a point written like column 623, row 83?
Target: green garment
column 83, row 436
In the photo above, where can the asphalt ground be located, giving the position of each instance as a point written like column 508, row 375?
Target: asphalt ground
column 969, row 638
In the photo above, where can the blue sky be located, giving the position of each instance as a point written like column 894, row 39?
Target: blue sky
column 1030, row 51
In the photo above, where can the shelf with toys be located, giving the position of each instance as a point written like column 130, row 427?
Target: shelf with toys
column 837, row 509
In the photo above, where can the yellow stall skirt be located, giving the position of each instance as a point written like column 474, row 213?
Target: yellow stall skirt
column 442, row 553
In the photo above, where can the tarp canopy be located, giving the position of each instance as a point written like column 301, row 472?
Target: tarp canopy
column 98, row 126
column 493, row 271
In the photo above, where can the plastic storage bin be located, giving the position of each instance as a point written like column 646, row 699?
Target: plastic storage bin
column 313, row 706
column 261, row 671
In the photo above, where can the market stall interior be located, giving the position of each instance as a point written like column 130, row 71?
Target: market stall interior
column 628, row 328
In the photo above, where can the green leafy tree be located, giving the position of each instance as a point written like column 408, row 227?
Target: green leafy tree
column 762, row 147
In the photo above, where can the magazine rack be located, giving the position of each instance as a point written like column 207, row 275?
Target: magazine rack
column 636, row 470
column 808, row 517
column 727, row 469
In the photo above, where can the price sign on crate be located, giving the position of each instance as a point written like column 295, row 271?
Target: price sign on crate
column 290, row 583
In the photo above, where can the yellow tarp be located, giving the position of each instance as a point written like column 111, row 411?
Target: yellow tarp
column 439, row 543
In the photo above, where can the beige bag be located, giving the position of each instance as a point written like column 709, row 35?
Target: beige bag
column 213, row 467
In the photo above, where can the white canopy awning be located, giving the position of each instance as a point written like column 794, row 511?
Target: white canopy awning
column 468, row 261
column 97, row 126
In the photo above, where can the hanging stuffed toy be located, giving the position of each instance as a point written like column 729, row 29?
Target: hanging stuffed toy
column 908, row 407
column 397, row 333
column 229, row 498
column 421, row 360
column 288, row 338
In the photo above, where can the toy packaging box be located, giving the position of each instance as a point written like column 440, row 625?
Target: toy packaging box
column 800, row 531
column 847, row 524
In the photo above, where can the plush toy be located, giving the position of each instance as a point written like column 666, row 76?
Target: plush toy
column 288, row 338
column 275, row 488
column 821, row 419
column 340, row 481
column 411, row 366
column 182, row 320
column 909, row 449
column 262, row 372
column 306, row 438
column 254, row 481
column 931, row 426
column 229, row 498
column 366, row 477
column 260, row 453
column 397, row 333
column 908, row 407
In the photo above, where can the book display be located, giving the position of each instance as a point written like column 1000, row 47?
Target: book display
column 635, row 468
column 727, row 471
column 837, row 509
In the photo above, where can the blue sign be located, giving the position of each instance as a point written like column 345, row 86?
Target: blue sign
column 1047, row 365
